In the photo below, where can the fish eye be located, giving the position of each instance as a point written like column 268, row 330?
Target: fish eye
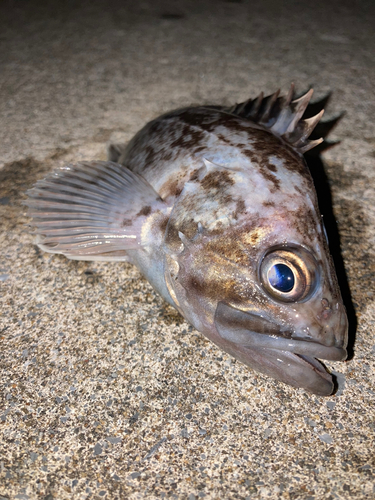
column 289, row 274
column 281, row 277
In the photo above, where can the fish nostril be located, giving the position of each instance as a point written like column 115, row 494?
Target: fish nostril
column 326, row 311
column 325, row 303
column 326, row 314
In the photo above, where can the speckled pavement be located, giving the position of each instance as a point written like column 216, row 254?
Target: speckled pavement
column 105, row 391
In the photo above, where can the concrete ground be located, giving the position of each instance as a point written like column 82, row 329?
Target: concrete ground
column 105, row 391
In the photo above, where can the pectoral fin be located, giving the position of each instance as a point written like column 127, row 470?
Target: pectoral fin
column 92, row 211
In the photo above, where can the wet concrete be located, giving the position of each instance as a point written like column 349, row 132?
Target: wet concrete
column 105, row 391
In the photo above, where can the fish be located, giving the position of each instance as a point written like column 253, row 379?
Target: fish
column 217, row 208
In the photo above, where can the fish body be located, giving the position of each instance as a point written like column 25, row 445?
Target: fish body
column 218, row 210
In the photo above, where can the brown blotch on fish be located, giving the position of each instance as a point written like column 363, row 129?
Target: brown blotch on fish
column 144, row 211
column 214, row 288
column 240, row 208
column 150, row 154
column 165, row 155
column 268, row 204
column 272, row 178
column 172, row 188
column 210, row 119
column 217, row 180
column 225, row 139
column 255, row 237
column 199, row 149
column 299, row 190
column 194, row 174
column 231, row 122
column 126, row 222
column 304, row 221
column 267, row 145
column 188, row 138
column 230, row 249
column 163, row 224
column 265, row 167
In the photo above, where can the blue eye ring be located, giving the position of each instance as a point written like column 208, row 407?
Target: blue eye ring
column 289, row 274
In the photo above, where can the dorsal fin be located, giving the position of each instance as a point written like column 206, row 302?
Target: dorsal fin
column 294, row 119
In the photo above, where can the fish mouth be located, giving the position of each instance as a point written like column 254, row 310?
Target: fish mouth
column 250, row 330
column 270, row 349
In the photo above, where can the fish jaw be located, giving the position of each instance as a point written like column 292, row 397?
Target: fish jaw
column 277, row 352
column 303, row 372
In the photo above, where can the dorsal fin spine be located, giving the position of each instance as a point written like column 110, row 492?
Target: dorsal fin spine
column 283, row 116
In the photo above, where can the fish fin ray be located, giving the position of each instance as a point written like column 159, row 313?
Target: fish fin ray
column 324, row 127
column 294, row 119
column 314, row 107
column 99, row 218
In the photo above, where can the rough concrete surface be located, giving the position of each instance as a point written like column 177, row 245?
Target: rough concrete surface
column 105, row 391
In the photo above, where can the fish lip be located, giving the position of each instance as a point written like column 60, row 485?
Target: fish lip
column 301, row 348
column 295, row 362
column 232, row 325
column 293, row 369
column 314, row 363
column 329, row 386
column 311, row 349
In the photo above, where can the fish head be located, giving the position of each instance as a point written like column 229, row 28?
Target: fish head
column 256, row 276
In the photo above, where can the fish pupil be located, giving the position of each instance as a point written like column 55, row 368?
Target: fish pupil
column 281, row 277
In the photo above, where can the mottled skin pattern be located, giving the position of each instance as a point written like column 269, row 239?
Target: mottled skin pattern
column 217, row 208
column 234, row 190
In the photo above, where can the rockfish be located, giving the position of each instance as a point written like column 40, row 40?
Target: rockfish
column 217, row 208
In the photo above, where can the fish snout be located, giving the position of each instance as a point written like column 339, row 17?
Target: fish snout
column 333, row 323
